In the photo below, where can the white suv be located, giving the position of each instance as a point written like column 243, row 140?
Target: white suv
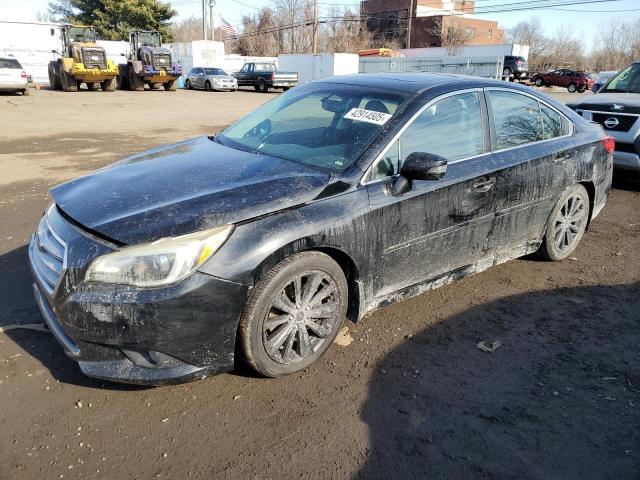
column 12, row 77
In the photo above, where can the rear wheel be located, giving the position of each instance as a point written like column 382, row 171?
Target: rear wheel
column 108, row 85
column 572, row 88
column 581, row 89
column 187, row 84
column 293, row 314
column 539, row 82
column 567, row 223
column 25, row 92
column 91, row 86
column 170, row 86
column 54, row 79
column 256, row 88
column 284, row 89
column 263, row 87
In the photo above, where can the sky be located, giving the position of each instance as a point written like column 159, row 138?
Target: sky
column 583, row 20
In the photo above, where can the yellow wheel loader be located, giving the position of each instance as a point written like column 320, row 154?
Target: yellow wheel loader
column 81, row 60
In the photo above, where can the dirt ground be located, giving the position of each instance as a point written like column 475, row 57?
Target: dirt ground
column 410, row 397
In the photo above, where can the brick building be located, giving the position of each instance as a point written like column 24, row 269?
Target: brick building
column 415, row 23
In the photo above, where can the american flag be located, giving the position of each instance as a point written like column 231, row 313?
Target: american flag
column 227, row 28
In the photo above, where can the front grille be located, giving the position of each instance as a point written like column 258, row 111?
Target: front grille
column 161, row 60
column 626, row 147
column 625, row 122
column 47, row 253
column 94, row 58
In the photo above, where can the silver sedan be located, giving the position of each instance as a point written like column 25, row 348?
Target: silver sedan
column 210, row 79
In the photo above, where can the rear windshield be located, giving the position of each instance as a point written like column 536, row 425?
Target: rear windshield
column 522, row 59
column 10, row 63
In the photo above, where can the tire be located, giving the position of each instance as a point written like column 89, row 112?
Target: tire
column 558, row 243
column 25, row 92
column 207, row 86
column 284, row 89
column 68, row 84
column 539, row 82
column 170, row 86
column 135, row 82
column 506, row 72
column 256, row 88
column 122, row 80
column 572, row 88
column 92, row 87
column 263, row 87
column 187, row 85
column 108, row 85
column 295, row 340
column 54, row 78
column 582, row 89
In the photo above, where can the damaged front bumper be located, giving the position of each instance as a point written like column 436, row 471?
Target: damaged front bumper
column 120, row 333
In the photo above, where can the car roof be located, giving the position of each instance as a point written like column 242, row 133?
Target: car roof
column 413, row 82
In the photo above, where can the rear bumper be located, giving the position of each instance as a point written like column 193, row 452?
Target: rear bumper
column 11, row 86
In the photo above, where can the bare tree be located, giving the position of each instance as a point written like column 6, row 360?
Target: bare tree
column 187, row 30
column 45, row 16
column 452, row 33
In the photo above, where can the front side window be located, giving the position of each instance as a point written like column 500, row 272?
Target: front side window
column 450, row 128
column 321, row 125
column 516, row 118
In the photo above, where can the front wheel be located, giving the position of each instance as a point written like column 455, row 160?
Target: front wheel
column 572, row 88
column 539, row 82
column 108, row 85
column 207, row 86
column 567, row 223
column 187, row 84
column 293, row 314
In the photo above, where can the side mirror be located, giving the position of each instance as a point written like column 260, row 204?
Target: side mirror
column 419, row 166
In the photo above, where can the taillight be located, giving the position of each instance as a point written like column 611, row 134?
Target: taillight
column 609, row 143
column 23, row 74
column 518, row 62
column 273, row 76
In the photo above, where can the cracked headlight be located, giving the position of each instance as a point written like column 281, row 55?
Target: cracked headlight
column 159, row 263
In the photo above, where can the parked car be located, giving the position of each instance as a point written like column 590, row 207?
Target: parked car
column 12, row 76
column 264, row 75
column 617, row 107
column 335, row 198
column 572, row 80
column 516, row 66
column 210, row 79
column 601, row 79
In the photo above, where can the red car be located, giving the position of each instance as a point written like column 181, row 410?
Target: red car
column 572, row 80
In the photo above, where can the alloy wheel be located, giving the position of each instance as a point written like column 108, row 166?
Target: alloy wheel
column 569, row 223
column 301, row 317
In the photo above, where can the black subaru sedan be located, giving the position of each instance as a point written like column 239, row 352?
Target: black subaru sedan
column 333, row 199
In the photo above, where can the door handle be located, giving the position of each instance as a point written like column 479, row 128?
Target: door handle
column 484, row 185
column 559, row 157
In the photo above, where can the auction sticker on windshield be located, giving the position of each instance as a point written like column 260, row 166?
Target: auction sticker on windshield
column 369, row 116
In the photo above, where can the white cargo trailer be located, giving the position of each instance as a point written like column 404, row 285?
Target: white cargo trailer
column 323, row 65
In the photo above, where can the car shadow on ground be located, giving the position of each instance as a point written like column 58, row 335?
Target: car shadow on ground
column 19, row 307
column 560, row 399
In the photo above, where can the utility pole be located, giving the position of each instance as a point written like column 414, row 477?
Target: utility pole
column 315, row 26
column 212, row 3
column 204, row 20
column 409, row 23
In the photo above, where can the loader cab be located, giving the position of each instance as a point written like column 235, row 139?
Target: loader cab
column 143, row 42
column 76, row 34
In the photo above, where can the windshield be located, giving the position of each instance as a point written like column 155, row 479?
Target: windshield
column 81, row 34
column 214, row 71
column 148, row 39
column 626, row 81
column 321, row 125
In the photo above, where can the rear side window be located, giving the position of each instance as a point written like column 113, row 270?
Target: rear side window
column 10, row 63
column 553, row 124
column 516, row 118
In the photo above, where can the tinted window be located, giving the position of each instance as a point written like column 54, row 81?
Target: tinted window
column 516, row 118
column 451, row 128
column 10, row 63
column 214, row 71
column 553, row 124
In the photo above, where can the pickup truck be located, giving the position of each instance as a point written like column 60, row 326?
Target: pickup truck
column 264, row 75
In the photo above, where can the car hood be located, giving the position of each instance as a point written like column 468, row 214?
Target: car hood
column 182, row 188
column 605, row 101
